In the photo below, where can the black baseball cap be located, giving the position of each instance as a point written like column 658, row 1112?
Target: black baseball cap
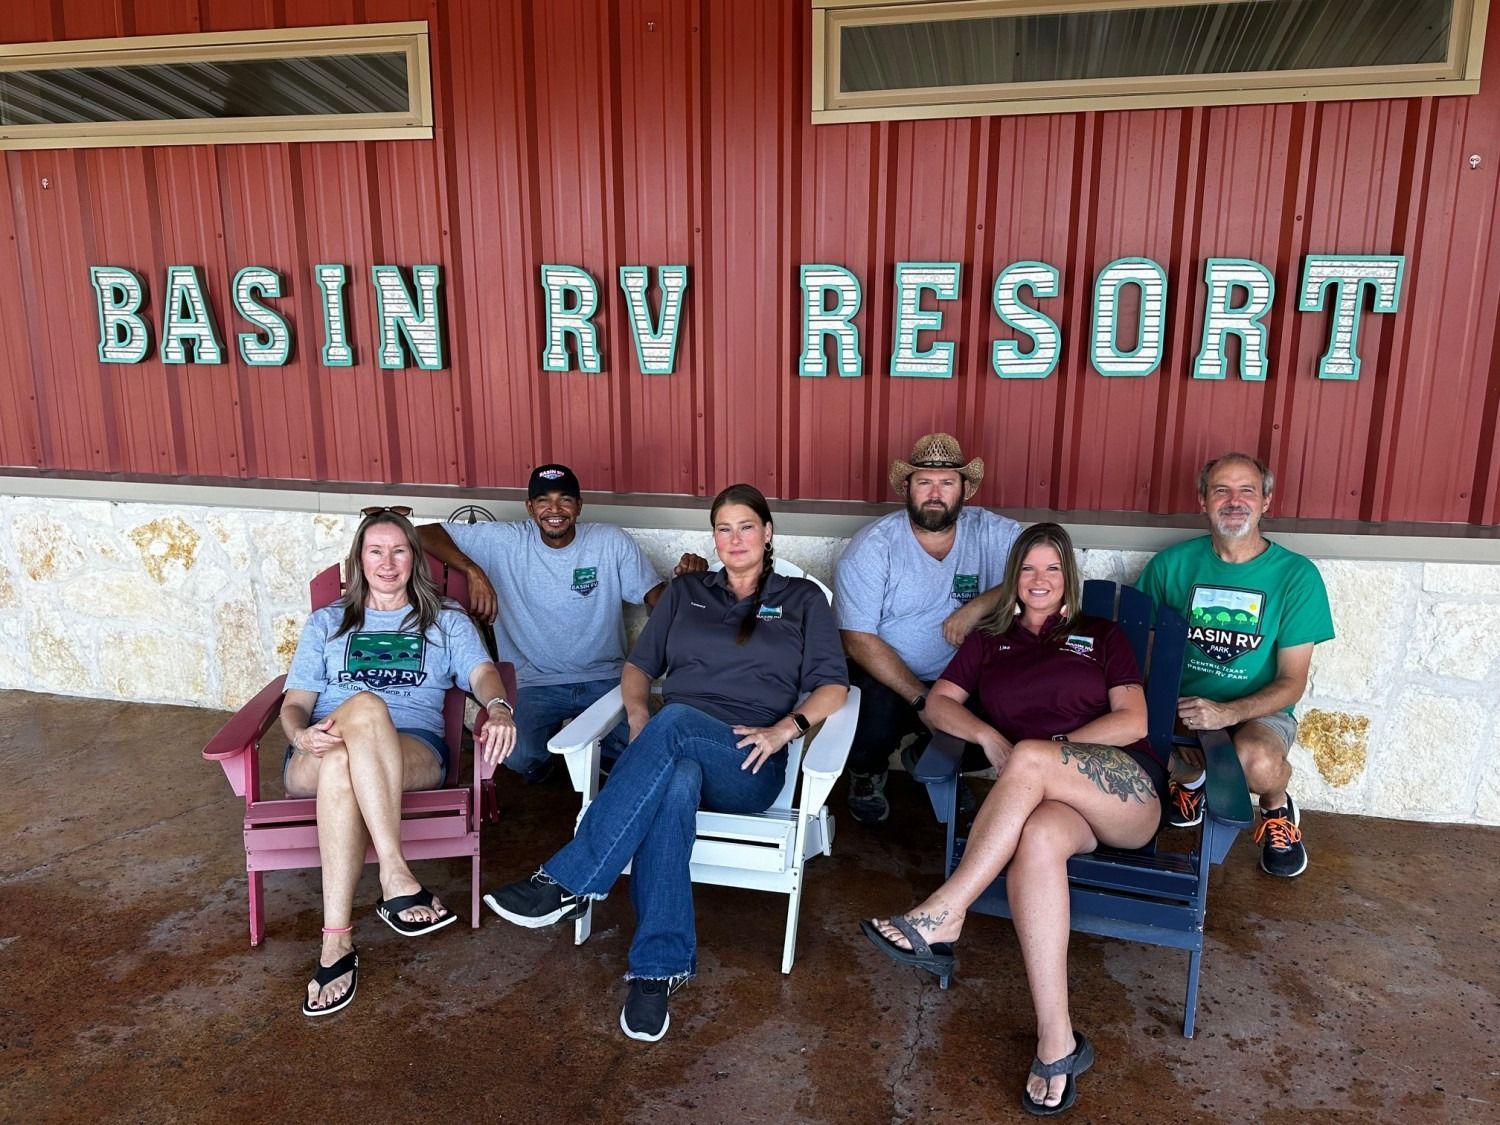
column 553, row 478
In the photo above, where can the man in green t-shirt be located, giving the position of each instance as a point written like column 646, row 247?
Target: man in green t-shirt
column 1255, row 610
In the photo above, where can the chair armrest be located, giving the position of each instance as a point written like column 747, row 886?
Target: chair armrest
column 940, row 760
column 601, row 717
column 1227, row 795
column 235, row 746
column 828, row 749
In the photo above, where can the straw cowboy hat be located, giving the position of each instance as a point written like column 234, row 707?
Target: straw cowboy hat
column 937, row 451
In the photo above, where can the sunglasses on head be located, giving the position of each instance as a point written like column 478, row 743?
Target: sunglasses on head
column 395, row 509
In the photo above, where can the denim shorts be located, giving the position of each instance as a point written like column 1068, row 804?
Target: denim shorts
column 433, row 742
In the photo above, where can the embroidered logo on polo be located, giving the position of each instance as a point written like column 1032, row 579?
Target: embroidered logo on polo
column 1082, row 645
column 585, row 580
column 965, row 586
column 384, row 660
column 768, row 613
column 1224, row 622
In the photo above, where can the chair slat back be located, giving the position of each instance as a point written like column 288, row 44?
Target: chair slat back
column 1159, row 650
column 328, row 586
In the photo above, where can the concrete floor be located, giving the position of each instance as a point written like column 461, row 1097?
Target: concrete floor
column 1363, row 991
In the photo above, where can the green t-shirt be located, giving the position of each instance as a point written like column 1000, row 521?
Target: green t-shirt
column 1238, row 614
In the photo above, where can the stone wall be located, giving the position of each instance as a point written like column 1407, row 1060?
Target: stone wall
column 202, row 605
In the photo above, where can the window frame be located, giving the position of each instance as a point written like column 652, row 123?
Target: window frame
column 408, row 38
column 1459, row 75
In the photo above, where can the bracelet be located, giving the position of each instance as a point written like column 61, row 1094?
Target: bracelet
column 503, row 703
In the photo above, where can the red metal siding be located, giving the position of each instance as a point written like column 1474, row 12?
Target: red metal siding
column 676, row 131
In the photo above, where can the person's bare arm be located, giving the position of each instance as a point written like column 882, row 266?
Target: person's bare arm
column 966, row 618
column 296, row 710
column 946, row 712
column 881, row 661
column 498, row 738
column 761, row 742
column 1292, row 666
column 439, row 544
column 635, row 690
column 1122, row 724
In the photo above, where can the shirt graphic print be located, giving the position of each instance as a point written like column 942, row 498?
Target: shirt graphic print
column 384, row 660
column 1224, row 622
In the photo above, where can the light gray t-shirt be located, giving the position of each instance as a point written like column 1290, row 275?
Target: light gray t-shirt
column 886, row 584
column 559, row 619
column 406, row 669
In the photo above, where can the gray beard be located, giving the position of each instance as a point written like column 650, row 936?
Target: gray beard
column 1240, row 532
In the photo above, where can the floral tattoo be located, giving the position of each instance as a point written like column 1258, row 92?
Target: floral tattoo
column 1113, row 772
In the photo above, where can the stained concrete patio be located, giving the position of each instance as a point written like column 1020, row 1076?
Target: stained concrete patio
column 1364, row 991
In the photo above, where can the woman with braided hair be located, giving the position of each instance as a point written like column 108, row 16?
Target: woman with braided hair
column 739, row 648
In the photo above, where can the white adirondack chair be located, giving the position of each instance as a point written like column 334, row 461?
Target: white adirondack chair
column 763, row 851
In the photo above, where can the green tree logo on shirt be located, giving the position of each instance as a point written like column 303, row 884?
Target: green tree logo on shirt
column 384, row 660
column 1224, row 622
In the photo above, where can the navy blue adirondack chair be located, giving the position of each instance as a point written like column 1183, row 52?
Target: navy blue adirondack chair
column 1148, row 896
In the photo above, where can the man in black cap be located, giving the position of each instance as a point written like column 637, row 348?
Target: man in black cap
column 552, row 587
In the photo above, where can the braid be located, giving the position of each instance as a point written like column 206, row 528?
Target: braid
column 747, row 626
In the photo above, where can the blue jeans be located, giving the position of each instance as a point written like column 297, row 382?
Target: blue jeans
column 542, row 711
column 647, row 815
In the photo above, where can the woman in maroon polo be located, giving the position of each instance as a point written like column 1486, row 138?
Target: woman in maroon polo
column 1063, row 692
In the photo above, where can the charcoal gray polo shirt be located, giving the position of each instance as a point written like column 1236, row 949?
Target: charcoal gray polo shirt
column 793, row 649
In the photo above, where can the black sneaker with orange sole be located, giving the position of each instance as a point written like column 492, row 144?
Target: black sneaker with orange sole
column 1186, row 805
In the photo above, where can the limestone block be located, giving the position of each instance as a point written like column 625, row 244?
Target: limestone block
column 167, row 546
column 15, row 671
column 1458, row 639
column 1100, row 564
column 1371, row 603
column 155, row 666
column 242, row 657
column 132, row 596
column 1132, row 563
column 58, row 660
column 286, row 630
column 46, row 547
column 1461, row 578
column 1419, row 771
column 286, row 560
column 8, row 599
column 332, row 532
column 1487, row 803
column 106, row 545
column 1329, row 760
column 228, row 530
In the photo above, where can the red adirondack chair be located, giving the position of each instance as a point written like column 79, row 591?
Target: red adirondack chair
column 282, row 833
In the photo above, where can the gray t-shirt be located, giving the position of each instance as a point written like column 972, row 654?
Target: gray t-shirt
column 406, row 669
column 559, row 620
column 888, row 585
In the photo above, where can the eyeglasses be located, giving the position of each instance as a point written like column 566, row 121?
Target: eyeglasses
column 378, row 509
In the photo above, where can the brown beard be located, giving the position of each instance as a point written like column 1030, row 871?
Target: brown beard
column 933, row 521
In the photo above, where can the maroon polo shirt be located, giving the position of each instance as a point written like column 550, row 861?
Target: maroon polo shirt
column 1036, row 688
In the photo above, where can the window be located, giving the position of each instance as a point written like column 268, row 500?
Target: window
column 368, row 81
column 928, row 58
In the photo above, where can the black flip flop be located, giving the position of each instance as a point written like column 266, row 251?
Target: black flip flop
column 1072, row 1065
column 937, row 958
column 326, row 975
column 389, row 911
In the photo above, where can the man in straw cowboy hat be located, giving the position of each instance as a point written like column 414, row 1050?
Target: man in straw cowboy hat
column 911, row 585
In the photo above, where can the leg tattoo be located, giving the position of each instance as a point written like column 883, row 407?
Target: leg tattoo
column 1113, row 772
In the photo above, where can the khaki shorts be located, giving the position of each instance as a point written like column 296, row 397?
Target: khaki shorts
column 1284, row 726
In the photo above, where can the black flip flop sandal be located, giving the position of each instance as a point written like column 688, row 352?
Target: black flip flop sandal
column 389, row 911
column 326, row 975
column 937, row 958
column 1072, row 1065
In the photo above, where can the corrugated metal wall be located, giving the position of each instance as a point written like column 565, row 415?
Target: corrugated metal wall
column 663, row 131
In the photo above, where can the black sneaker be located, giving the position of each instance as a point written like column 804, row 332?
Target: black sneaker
column 536, row 902
column 644, row 1015
column 1187, row 805
column 1282, row 852
column 867, row 803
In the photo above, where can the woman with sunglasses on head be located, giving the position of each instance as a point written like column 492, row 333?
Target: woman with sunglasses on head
column 739, row 647
column 363, row 714
column 1063, row 693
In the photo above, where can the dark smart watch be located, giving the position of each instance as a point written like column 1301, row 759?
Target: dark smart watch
column 919, row 704
column 803, row 726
